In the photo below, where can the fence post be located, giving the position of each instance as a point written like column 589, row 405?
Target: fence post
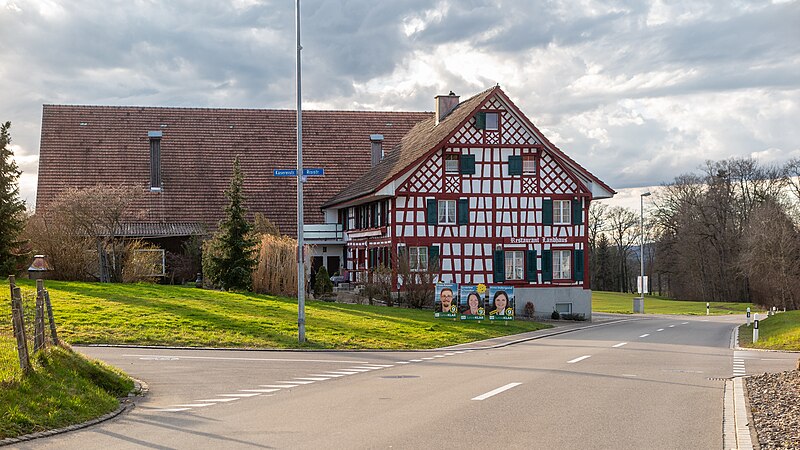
column 18, row 320
column 52, row 320
column 38, row 318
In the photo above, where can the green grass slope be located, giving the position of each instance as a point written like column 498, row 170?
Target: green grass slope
column 622, row 303
column 95, row 313
column 778, row 332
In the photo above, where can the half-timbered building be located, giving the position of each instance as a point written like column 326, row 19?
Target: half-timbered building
column 478, row 194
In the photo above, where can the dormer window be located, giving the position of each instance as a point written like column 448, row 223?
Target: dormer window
column 155, row 160
column 451, row 161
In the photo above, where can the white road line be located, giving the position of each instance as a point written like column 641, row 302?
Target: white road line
column 496, row 391
column 672, row 326
column 449, row 354
column 579, row 359
column 644, row 335
column 217, row 400
column 403, row 362
column 341, row 372
column 415, row 360
column 295, row 382
column 660, row 329
column 439, row 356
column 168, row 410
column 379, row 365
column 629, row 375
column 428, row 358
column 354, row 369
column 278, row 386
column 263, row 391
column 194, row 405
column 250, row 359
column 684, row 323
column 619, row 345
column 329, row 375
column 238, row 395
column 312, row 378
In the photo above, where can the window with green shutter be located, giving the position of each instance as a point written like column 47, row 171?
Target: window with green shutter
column 499, row 266
column 480, row 121
column 468, row 164
column 463, row 211
column 433, row 212
column 547, row 211
column 547, row 265
column 577, row 274
column 433, row 258
column 577, row 212
column 515, row 165
column 530, row 266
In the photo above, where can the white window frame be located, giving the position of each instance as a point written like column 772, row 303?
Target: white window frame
column 452, row 162
column 530, row 167
column 562, row 212
column 496, row 121
column 515, row 265
column 447, row 212
column 562, row 264
column 561, row 310
column 418, row 259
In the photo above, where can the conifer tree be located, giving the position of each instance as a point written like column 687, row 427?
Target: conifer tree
column 12, row 208
column 229, row 258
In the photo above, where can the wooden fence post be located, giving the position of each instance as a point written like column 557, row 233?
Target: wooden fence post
column 52, row 320
column 18, row 320
column 38, row 318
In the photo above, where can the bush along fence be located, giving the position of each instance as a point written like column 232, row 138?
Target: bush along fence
column 21, row 321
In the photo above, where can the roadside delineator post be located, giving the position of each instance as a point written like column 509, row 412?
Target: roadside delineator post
column 748, row 316
column 708, row 308
column 755, row 329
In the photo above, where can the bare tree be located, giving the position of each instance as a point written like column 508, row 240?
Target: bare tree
column 622, row 234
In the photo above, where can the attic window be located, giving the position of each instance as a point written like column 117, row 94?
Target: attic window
column 155, row 160
column 491, row 121
column 451, row 163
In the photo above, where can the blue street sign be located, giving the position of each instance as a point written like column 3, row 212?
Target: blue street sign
column 314, row 172
column 284, row 172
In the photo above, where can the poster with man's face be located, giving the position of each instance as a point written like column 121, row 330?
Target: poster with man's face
column 501, row 303
column 446, row 302
column 471, row 304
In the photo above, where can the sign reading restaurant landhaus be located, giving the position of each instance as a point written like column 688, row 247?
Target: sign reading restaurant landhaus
column 541, row 240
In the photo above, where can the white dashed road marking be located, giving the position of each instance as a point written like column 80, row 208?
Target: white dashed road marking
column 311, row 379
column 415, row 360
column 581, row 358
column 403, row 362
column 170, row 410
column 619, row 345
column 660, row 329
column 296, row 382
column 262, row 391
column 218, row 400
column 644, row 335
column 672, row 326
column 195, row 405
column 278, row 386
column 496, row 391
column 238, row 395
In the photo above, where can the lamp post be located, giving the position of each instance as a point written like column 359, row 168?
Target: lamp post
column 641, row 246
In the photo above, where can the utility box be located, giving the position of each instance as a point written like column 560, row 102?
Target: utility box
column 39, row 268
column 638, row 305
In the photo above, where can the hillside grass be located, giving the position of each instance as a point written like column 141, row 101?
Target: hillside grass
column 150, row 314
column 778, row 332
column 65, row 389
column 622, row 303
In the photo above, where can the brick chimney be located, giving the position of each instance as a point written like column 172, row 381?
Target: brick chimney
column 444, row 105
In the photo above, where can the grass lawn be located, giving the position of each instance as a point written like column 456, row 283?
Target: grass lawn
column 64, row 389
column 95, row 313
column 778, row 332
column 622, row 303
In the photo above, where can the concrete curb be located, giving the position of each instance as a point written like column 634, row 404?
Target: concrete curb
column 140, row 389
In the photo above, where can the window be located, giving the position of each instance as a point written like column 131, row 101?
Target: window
column 561, row 265
column 561, row 212
column 155, row 160
column 564, row 308
column 528, row 164
column 515, row 265
column 451, row 163
column 491, row 121
column 418, row 259
column 447, row 212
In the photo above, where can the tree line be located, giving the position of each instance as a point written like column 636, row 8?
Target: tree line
column 728, row 233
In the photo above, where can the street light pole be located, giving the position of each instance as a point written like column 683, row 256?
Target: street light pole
column 301, row 282
column 641, row 246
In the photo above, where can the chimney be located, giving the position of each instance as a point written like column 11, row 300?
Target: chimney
column 444, row 105
column 377, row 148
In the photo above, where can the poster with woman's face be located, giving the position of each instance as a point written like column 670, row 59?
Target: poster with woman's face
column 445, row 305
column 501, row 303
column 471, row 304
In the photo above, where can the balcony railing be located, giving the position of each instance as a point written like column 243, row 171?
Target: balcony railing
column 326, row 232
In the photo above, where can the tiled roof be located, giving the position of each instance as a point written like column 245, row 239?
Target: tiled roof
column 85, row 145
column 420, row 141
column 160, row 230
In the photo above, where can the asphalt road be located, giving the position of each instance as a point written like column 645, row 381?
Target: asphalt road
column 645, row 383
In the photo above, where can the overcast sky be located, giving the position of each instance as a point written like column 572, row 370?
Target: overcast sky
column 637, row 92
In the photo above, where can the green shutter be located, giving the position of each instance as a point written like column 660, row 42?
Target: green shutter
column 480, row 121
column 547, row 211
column 547, row 265
column 530, row 266
column 499, row 266
column 577, row 212
column 515, row 165
column 462, row 209
column 433, row 258
column 468, row 164
column 433, row 212
column 577, row 274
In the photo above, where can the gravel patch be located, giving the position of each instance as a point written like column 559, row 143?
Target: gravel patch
column 775, row 405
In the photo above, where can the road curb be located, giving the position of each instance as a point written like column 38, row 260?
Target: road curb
column 140, row 389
